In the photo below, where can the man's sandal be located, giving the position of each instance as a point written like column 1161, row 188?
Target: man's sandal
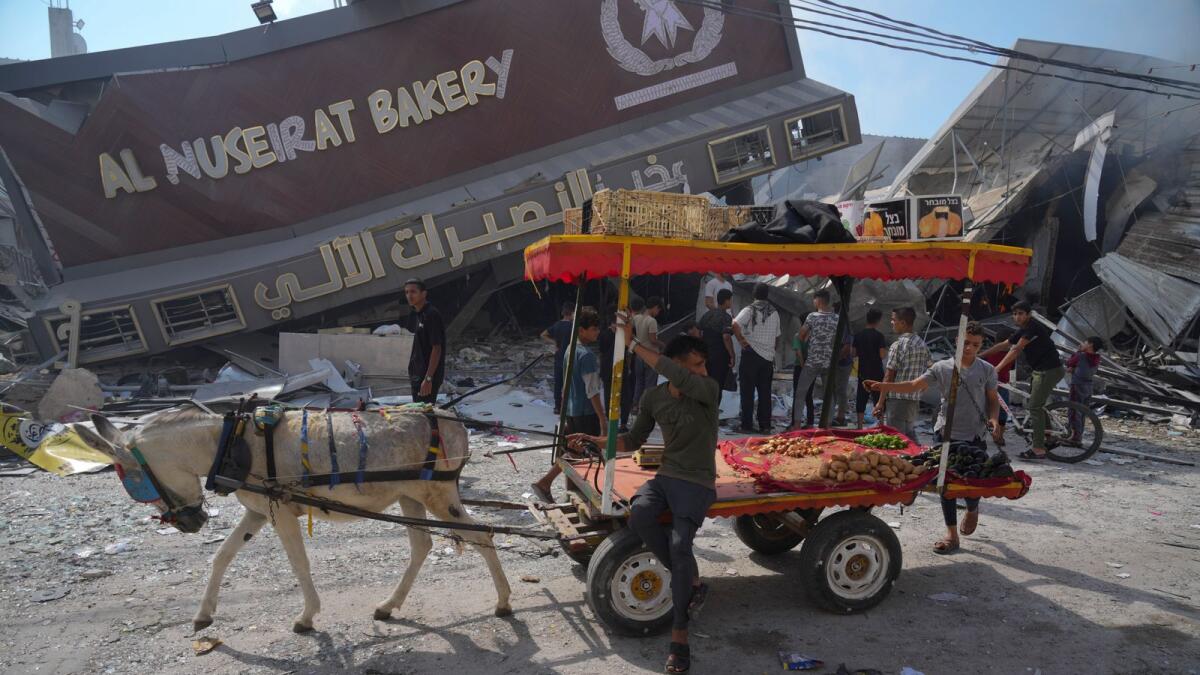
column 1030, row 454
column 679, row 659
column 969, row 523
column 945, row 546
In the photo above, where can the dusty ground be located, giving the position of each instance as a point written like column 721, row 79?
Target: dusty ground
column 1042, row 586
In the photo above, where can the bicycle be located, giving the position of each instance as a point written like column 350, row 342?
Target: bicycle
column 1061, row 445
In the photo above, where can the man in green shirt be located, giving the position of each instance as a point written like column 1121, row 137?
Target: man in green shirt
column 687, row 407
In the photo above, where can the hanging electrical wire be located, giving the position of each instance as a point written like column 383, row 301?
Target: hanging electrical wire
column 980, row 46
column 855, row 36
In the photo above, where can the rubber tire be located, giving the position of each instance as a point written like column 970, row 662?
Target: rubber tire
column 609, row 555
column 1090, row 418
column 777, row 540
column 824, row 538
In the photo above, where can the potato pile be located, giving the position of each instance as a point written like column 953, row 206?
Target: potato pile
column 788, row 447
column 869, row 466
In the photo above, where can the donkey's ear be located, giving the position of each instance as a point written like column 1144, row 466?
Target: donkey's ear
column 93, row 440
column 108, row 432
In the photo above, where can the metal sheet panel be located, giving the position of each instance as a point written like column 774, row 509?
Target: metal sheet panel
column 1164, row 304
column 1096, row 312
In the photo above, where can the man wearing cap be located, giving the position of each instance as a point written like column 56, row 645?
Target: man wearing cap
column 427, row 361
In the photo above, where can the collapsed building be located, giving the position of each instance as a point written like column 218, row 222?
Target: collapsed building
column 166, row 195
column 1103, row 183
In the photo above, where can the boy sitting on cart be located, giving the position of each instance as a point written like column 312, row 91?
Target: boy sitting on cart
column 976, row 411
column 687, row 408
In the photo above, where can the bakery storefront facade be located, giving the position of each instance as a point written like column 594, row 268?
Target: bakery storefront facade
column 189, row 190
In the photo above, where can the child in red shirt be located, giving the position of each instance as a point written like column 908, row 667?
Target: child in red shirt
column 1002, row 334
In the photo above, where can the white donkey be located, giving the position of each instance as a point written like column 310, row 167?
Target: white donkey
column 178, row 447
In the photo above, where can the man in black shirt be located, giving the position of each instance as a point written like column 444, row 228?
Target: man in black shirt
column 1034, row 340
column 559, row 335
column 870, row 347
column 717, row 328
column 427, row 361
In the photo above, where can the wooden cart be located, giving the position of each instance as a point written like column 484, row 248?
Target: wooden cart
column 850, row 558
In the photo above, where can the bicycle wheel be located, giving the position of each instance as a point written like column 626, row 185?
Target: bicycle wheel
column 1060, row 443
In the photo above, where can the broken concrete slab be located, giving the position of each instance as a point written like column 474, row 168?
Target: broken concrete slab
column 74, row 388
column 382, row 360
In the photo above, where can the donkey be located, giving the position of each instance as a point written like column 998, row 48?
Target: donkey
column 178, row 447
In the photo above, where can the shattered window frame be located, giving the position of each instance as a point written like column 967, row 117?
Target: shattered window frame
column 222, row 317
column 128, row 335
column 800, row 147
column 740, row 152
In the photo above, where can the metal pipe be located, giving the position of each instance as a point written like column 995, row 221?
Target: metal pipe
column 614, row 397
column 952, row 397
column 844, row 286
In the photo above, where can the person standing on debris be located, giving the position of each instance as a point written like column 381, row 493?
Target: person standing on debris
column 1082, row 367
column 645, row 327
column 976, row 412
column 427, row 361
column 688, row 409
column 801, row 349
column 907, row 358
column 559, row 335
column 1032, row 338
column 717, row 327
column 870, row 347
column 756, row 329
column 709, row 290
column 819, row 330
column 585, row 410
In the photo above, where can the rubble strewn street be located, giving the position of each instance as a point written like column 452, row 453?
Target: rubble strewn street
column 1046, row 575
column 858, row 339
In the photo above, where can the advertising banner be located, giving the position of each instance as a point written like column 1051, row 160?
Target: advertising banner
column 938, row 217
column 887, row 219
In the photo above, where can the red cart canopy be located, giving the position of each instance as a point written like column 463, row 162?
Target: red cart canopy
column 570, row 257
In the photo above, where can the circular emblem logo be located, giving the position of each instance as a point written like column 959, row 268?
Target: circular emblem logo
column 663, row 21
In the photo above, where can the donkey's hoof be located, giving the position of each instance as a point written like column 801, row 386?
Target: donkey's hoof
column 504, row 611
column 300, row 628
column 381, row 615
column 200, row 624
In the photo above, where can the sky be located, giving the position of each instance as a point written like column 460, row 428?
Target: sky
column 898, row 93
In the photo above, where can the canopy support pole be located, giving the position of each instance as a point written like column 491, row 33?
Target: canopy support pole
column 952, row 397
column 614, row 397
column 844, row 287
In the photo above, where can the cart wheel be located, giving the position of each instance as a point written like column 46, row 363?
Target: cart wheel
column 766, row 535
column 1059, row 444
column 849, row 562
column 627, row 588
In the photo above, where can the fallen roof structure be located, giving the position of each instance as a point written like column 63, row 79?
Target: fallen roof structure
column 1007, row 133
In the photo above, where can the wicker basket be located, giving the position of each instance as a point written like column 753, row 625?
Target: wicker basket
column 641, row 213
column 721, row 219
column 573, row 221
